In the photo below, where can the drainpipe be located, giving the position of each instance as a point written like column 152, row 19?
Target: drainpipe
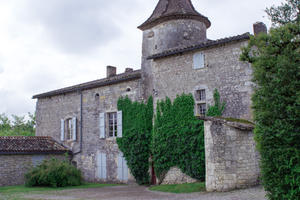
column 80, row 125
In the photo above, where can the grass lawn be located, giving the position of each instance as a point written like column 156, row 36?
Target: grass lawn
column 180, row 188
column 15, row 192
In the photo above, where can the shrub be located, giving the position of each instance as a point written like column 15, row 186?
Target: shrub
column 53, row 173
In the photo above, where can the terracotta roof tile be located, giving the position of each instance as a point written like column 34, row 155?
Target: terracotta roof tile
column 30, row 145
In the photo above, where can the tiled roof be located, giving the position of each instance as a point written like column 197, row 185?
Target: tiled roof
column 30, row 145
column 173, row 9
column 209, row 43
column 93, row 84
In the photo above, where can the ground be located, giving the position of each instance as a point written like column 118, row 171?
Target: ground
column 134, row 192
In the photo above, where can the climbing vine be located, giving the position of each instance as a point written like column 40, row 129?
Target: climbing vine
column 135, row 143
column 218, row 108
column 178, row 138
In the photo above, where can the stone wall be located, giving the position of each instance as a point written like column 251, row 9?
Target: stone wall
column 175, row 75
column 50, row 111
column 231, row 158
column 176, row 176
column 14, row 167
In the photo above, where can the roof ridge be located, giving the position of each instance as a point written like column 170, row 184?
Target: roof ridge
column 205, row 44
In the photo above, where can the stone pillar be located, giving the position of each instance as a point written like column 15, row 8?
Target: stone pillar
column 232, row 161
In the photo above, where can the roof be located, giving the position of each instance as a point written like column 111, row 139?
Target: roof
column 203, row 45
column 93, row 84
column 30, row 145
column 173, row 9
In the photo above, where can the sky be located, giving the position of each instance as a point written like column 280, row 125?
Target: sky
column 47, row 45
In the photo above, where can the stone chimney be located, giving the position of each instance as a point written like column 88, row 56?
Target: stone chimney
column 259, row 27
column 127, row 70
column 111, row 71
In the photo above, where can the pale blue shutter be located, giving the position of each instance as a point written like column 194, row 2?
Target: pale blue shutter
column 102, row 125
column 99, row 166
column 119, row 123
column 74, row 136
column 198, row 60
column 125, row 170
column 103, row 165
column 120, row 167
column 62, row 130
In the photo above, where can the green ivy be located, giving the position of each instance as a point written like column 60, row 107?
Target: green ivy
column 135, row 143
column 178, row 138
column 218, row 108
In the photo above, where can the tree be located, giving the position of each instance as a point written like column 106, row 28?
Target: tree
column 18, row 126
column 275, row 59
column 288, row 12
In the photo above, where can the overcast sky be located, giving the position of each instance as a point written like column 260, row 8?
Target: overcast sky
column 50, row 44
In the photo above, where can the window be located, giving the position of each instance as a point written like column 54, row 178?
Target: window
column 112, row 124
column 68, row 129
column 101, row 166
column 200, row 95
column 198, row 60
column 201, row 109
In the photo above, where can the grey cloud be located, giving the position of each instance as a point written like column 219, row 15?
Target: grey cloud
column 76, row 26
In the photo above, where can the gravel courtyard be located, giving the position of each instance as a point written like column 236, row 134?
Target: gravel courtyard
column 142, row 193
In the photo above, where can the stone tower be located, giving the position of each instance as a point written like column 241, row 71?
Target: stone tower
column 173, row 24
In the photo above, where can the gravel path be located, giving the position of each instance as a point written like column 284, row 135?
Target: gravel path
column 142, row 193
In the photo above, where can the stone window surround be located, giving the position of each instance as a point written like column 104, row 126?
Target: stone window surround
column 208, row 95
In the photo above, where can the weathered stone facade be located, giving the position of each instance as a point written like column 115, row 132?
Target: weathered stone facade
column 232, row 160
column 14, row 167
column 177, row 57
column 50, row 111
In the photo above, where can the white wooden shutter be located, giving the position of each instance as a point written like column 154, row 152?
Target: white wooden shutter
column 119, row 122
column 74, row 136
column 62, row 130
column 198, row 60
column 102, row 125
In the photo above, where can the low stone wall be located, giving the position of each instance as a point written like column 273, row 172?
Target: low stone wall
column 176, row 176
column 14, row 167
column 232, row 161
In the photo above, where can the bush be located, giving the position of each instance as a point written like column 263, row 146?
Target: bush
column 53, row 173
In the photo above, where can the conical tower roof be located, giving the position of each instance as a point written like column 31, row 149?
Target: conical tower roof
column 173, row 9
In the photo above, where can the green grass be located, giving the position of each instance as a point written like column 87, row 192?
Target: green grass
column 23, row 189
column 236, row 120
column 180, row 188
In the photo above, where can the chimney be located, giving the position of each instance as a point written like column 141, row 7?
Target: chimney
column 259, row 27
column 127, row 70
column 111, row 71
